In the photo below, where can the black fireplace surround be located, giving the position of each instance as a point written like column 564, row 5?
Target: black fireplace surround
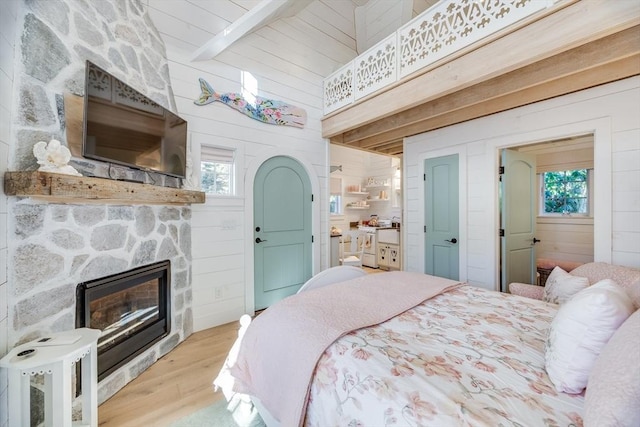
column 132, row 309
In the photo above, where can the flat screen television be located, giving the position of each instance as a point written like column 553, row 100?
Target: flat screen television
column 123, row 126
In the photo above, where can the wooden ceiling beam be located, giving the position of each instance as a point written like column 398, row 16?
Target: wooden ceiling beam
column 260, row 15
column 606, row 73
column 392, row 148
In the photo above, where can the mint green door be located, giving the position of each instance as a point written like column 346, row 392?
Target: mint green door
column 518, row 218
column 282, row 233
column 441, row 217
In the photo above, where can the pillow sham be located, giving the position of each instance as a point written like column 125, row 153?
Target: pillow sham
column 580, row 330
column 613, row 390
column 561, row 286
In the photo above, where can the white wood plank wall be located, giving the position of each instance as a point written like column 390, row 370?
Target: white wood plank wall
column 379, row 18
column 8, row 23
column 565, row 240
column 277, row 56
column 610, row 111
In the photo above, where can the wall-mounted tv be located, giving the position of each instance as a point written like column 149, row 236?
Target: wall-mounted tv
column 123, row 126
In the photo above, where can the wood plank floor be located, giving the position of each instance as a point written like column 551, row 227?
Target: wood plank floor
column 176, row 385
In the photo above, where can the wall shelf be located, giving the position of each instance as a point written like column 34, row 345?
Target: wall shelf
column 358, row 193
column 357, row 207
column 59, row 188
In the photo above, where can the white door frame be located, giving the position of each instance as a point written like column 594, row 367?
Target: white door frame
column 602, row 212
column 250, row 175
column 461, row 151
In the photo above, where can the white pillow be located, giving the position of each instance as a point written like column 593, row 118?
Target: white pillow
column 561, row 286
column 613, row 392
column 580, row 330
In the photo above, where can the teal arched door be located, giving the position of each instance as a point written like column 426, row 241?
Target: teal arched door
column 282, row 231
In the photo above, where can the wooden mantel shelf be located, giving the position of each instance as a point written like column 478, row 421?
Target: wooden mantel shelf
column 60, row 188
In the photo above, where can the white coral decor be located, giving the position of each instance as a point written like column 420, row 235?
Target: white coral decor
column 53, row 157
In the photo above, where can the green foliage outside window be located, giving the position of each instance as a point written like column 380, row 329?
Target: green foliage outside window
column 566, row 192
column 215, row 177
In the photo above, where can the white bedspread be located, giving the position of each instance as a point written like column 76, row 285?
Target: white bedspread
column 281, row 347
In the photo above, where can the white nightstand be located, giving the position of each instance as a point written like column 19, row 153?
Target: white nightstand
column 54, row 358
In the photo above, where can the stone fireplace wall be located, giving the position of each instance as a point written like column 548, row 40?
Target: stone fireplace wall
column 58, row 246
column 51, row 246
column 58, row 37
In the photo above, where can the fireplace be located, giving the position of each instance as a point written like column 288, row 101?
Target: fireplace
column 132, row 309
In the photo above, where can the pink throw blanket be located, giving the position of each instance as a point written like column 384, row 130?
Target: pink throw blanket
column 281, row 347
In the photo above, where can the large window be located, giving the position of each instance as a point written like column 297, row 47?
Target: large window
column 566, row 192
column 217, row 170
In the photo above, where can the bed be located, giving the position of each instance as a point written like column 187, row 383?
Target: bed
column 400, row 348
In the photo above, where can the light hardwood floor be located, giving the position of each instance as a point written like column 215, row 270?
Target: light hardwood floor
column 176, row 385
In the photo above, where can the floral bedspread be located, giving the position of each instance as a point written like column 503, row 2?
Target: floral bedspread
column 468, row 357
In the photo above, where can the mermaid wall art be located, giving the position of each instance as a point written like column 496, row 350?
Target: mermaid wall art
column 264, row 110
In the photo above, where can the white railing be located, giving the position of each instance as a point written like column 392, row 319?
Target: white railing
column 448, row 26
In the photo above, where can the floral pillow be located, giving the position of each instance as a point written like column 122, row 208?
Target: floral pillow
column 562, row 286
column 580, row 330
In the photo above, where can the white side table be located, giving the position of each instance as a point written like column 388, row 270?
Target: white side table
column 54, row 359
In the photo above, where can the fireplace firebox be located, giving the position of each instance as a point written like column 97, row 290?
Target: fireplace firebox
column 132, row 309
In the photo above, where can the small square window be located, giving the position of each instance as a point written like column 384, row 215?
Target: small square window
column 565, row 192
column 217, row 171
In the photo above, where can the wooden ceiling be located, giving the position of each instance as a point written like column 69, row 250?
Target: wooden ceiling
column 570, row 47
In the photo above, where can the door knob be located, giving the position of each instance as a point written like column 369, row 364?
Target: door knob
column 259, row 240
column 536, row 240
column 454, row 240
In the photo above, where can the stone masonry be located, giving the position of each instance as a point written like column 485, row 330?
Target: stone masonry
column 53, row 247
column 58, row 37
column 58, row 246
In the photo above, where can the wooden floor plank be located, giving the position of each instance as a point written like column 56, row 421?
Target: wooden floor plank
column 176, row 385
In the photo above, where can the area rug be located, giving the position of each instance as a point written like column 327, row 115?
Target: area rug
column 236, row 413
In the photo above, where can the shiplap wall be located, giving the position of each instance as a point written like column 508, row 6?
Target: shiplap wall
column 610, row 111
column 565, row 240
column 8, row 19
column 378, row 18
column 278, row 57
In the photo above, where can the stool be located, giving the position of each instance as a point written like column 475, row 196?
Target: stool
column 53, row 357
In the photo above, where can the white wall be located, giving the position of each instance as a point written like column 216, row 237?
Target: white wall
column 379, row 18
column 611, row 112
column 8, row 19
column 285, row 70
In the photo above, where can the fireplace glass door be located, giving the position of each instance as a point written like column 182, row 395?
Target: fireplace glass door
column 124, row 313
column 132, row 309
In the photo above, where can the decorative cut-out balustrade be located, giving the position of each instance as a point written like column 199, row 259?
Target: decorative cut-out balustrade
column 445, row 28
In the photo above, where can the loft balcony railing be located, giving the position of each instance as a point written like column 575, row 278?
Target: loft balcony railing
column 448, row 26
